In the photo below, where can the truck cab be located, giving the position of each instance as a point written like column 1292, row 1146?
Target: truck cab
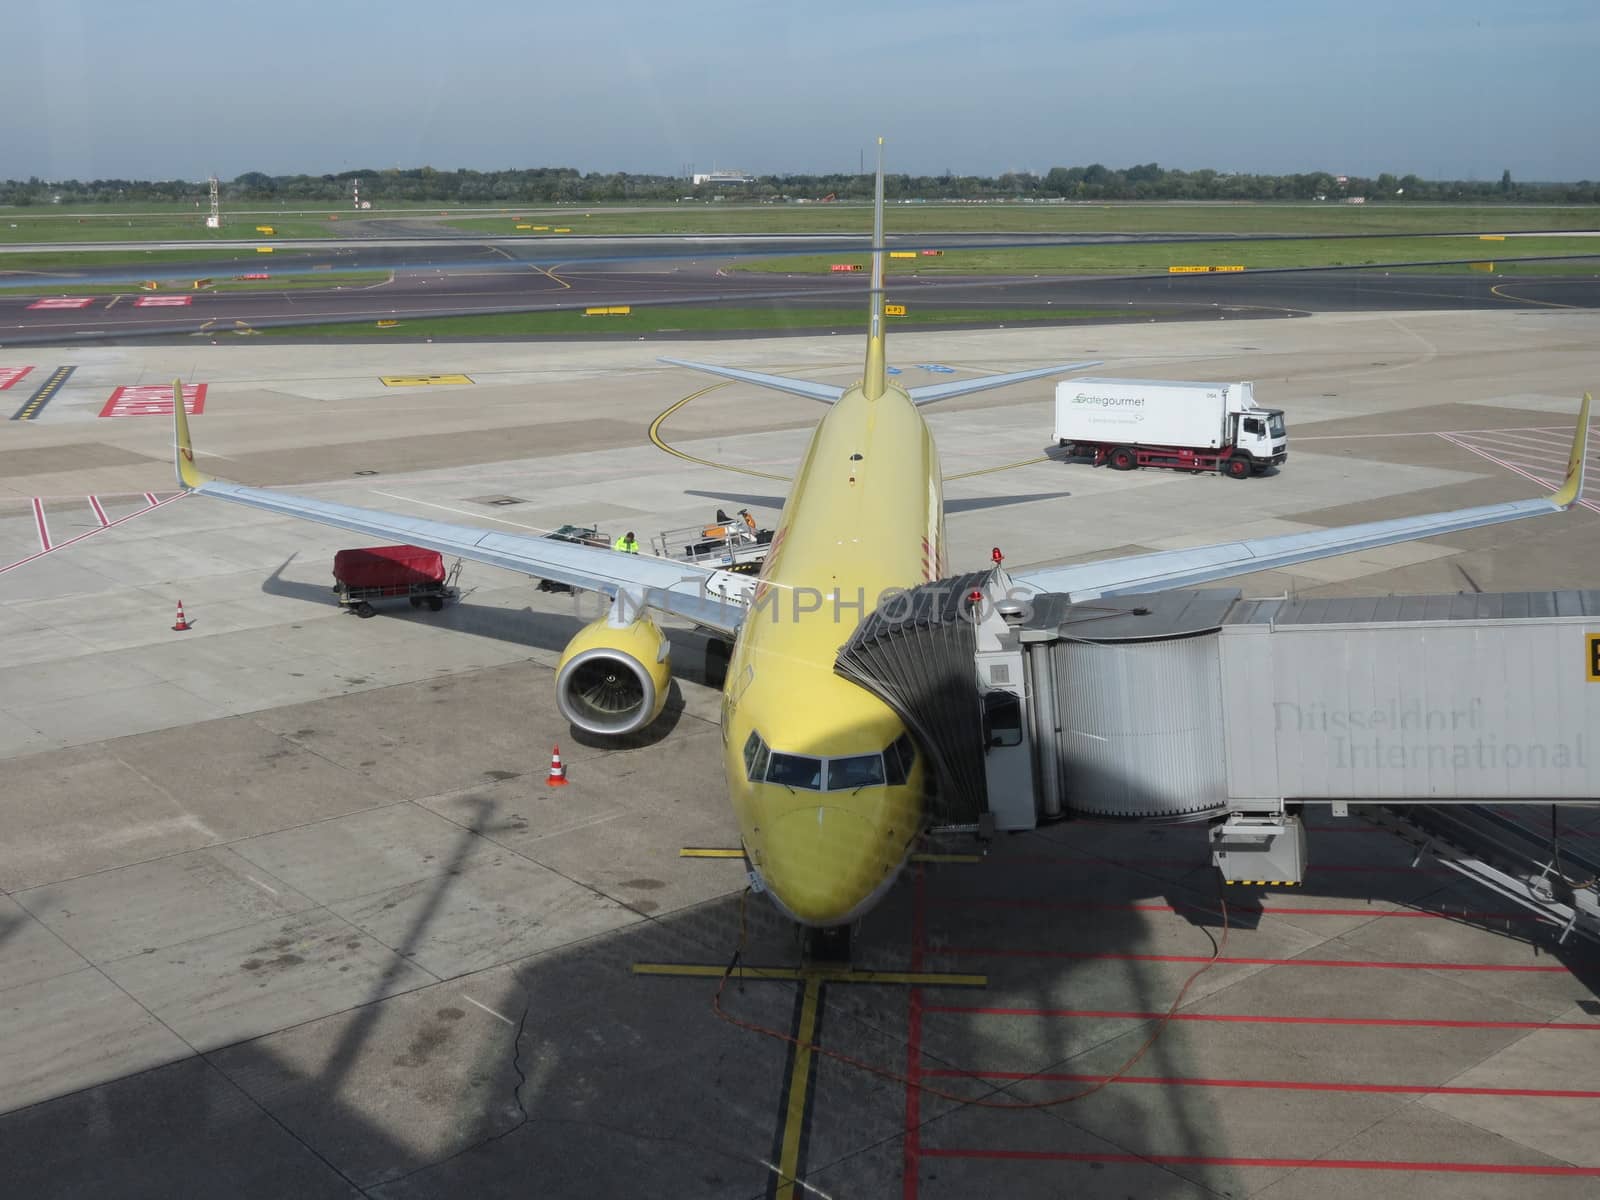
column 1262, row 434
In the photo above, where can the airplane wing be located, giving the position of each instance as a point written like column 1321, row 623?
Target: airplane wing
column 828, row 393
column 709, row 598
column 930, row 392
column 1201, row 564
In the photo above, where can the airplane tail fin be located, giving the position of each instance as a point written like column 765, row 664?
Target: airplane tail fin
column 875, row 375
column 182, row 447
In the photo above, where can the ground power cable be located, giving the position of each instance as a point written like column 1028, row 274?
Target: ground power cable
column 1217, row 948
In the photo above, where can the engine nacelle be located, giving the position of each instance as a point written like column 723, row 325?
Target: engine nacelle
column 614, row 680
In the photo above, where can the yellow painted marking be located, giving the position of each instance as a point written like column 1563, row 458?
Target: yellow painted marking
column 420, row 380
column 655, row 439
column 1491, row 237
column 947, row 858
column 1481, row 266
column 794, row 1112
column 541, row 229
column 820, row 974
column 1200, row 270
column 611, row 310
column 387, row 324
column 524, row 226
column 902, row 254
column 1594, row 657
column 894, row 310
column 711, row 852
column 1026, row 462
column 1495, row 291
column 43, row 396
column 562, row 229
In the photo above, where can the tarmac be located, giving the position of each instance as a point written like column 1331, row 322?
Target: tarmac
column 288, row 907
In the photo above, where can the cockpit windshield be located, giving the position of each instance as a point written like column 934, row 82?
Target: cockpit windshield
column 861, row 770
column 796, row 770
column 816, row 774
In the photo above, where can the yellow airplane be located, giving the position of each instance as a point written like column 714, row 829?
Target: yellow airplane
column 830, row 789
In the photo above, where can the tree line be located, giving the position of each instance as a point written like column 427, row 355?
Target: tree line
column 564, row 185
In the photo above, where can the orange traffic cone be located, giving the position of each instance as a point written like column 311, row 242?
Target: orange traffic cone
column 183, row 625
column 558, row 772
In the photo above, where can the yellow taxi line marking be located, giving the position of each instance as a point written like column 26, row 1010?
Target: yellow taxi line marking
column 655, row 439
column 1026, row 462
column 799, row 1085
column 1495, row 291
column 710, row 852
column 816, row 973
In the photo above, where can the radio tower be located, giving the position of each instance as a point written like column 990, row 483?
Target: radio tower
column 214, row 221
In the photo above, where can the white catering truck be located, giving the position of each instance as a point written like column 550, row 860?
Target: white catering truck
column 1161, row 423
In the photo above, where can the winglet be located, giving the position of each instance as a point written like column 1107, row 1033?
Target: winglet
column 1572, row 488
column 182, row 448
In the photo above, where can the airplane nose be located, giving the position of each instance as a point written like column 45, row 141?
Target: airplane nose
column 821, row 863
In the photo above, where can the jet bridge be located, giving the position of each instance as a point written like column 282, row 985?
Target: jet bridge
column 1202, row 705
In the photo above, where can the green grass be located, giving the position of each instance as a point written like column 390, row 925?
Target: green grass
column 58, row 262
column 1136, row 258
column 167, row 222
column 322, row 279
column 702, row 218
column 681, row 320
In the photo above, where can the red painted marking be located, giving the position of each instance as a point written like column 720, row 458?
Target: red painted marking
column 44, row 529
column 100, row 513
column 1288, row 1085
column 90, row 533
column 1108, row 956
column 9, row 375
column 63, row 302
column 163, row 301
column 1326, row 1164
column 154, row 401
column 151, row 497
column 1248, row 1019
column 910, row 1170
column 1544, row 483
column 1052, row 860
column 1266, row 910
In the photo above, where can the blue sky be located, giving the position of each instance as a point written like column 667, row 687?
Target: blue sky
column 102, row 89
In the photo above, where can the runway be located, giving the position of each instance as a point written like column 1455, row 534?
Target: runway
column 433, row 277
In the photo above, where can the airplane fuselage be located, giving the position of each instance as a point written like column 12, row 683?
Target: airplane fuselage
column 827, row 790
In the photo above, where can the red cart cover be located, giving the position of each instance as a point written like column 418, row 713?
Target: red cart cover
column 388, row 566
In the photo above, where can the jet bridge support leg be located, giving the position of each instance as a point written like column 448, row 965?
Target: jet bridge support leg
column 1257, row 847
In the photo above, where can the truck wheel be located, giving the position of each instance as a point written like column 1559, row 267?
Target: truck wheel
column 1123, row 459
column 435, row 603
column 363, row 609
column 1237, row 467
column 416, row 602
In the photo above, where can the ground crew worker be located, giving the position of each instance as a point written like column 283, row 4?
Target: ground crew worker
column 626, row 544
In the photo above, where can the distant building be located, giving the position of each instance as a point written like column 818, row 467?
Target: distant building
column 715, row 178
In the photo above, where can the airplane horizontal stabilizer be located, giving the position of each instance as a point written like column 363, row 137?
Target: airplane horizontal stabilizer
column 828, row 393
column 928, row 393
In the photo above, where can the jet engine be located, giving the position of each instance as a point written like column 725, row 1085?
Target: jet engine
column 613, row 679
